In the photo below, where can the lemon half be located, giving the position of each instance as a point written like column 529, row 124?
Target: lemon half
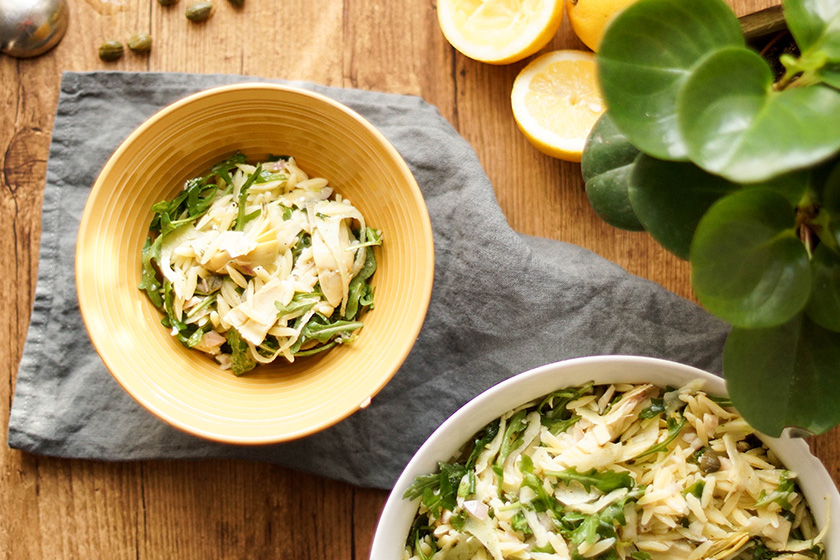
column 499, row 31
column 556, row 101
column 589, row 18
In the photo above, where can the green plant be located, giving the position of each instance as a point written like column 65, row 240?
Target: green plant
column 737, row 171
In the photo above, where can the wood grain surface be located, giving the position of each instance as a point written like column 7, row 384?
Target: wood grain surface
column 54, row 509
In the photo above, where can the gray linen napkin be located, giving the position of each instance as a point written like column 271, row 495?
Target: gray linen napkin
column 502, row 302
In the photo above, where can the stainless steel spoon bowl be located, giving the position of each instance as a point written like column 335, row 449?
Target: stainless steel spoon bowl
column 31, row 27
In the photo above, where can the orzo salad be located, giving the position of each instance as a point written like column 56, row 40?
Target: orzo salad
column 252, row 262
column 614, row 472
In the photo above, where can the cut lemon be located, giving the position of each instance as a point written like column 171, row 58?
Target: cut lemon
column 499, row 31
column 589, row 18
column 556, row 101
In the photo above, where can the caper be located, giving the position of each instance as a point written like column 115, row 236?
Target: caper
column 167, row 2
column 237, row 3
column 140, row 43
column 200, row 10
column 110, row 50
column 709, row 462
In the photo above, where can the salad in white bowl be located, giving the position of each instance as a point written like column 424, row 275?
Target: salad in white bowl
column 608, row 457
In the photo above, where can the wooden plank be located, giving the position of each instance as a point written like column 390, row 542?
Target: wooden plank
column 53, row 509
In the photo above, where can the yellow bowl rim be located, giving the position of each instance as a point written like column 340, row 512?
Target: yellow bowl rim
column 427, row 279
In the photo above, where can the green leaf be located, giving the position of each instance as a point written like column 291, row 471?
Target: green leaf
column 300, row 304
column 674, row 428
column 736, row 126
column 784, row 376
column 149, row 280
column 790, row 185
column 748, row 266
column 241, row 360
column 824, row 305
column 360, row 292
column 670, row 198
column 606, row 165
column 606, row 481
column 808, row 20
column 241, row 217
column 222, row 169
column 781, row 495
column 646, row 56
column 830, row 74
column 323, row 333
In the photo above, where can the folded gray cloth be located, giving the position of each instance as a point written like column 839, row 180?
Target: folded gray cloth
column 502, row 302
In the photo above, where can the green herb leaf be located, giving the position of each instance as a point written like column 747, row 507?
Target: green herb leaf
column 748, row 265
column 489, row 434
column 300, row 304
column 241, row 360
column 800, row 358
column 607, row 163
column 695, row 489
column 440, row 490
column 241, row 217
column 647, row 53
column 149, row 281
column 669, row 199
column 730, row 118
column 675, row 426
column 606, row 481
column 360, row 292
column 543, row 499
column 657, row 407
column 323, row 333
column 222, row 169
column 781, row 495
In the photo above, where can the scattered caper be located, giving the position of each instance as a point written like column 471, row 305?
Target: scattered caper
column 140, row 43
column 199, row 11
column 167, row 2
column 237, row 3
column 709, row 462
column 110, row 51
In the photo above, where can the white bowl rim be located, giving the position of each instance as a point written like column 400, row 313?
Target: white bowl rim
column 395, row 521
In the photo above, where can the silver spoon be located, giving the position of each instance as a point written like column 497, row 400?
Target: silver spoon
column 31, row 27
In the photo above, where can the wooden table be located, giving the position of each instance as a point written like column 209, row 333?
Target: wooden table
column 51, row 508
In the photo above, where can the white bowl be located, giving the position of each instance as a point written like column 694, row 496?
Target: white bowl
column 398, row 514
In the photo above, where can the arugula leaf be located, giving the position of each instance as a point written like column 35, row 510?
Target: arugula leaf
column 606, row 481
column 439, row 490
column 615, row 511
column 489, row 434
column 149, row 280
column 241, row 217
column 300, row 304
column 553, row 412
column 222, row 169
column 323, row 333
column 516, row 425
column 657, row 407
column 373, row 237
column 360, row 292
column 241, row 360
column 695, row 489
column 543, row 500
column 674, row 429
column 172, row 320
column 780, row 495
column 520, row 524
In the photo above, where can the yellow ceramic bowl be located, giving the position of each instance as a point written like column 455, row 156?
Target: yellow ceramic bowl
column 281, row 401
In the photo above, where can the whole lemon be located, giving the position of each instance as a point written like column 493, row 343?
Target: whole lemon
column 589, row 18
